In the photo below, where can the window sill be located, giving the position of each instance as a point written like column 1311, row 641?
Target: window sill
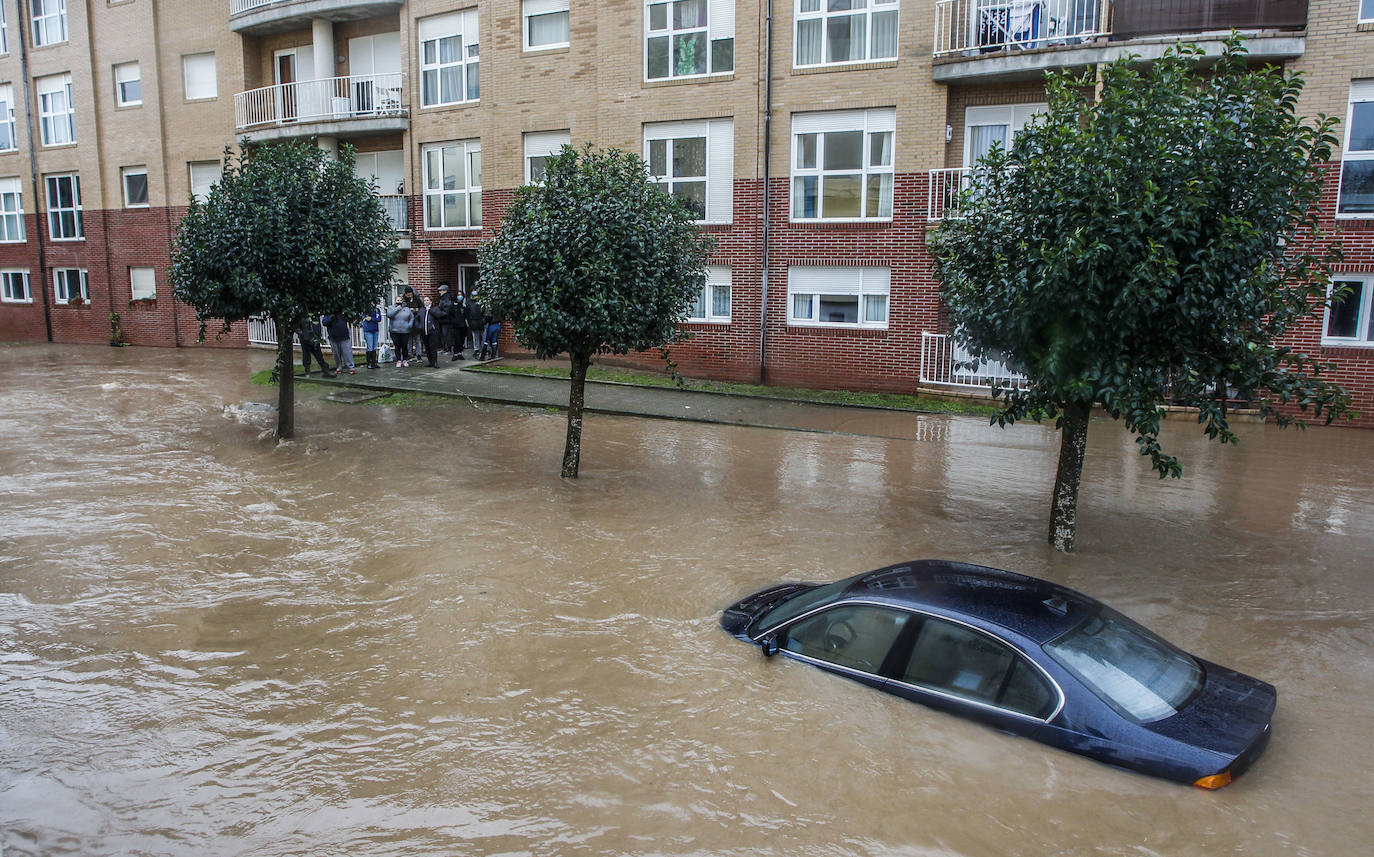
column 74, row 302
column 208, row 98
column 67, row 240
column 8, row 151
column 1365, row 27
column 708, row 323
column 52, row 147
column 28, row 302
column 144, row 303
column 681, row 81
column 818, row 223
column 858, row 65
column 130, row 106
column 564, row 48
column 818, row 326
column 452, row 105
column 15, row 240
column 1362, row 349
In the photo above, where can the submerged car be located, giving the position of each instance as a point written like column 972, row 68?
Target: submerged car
column 1023, row 655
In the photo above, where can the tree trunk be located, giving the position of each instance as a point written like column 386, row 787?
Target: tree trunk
column 572, row 451
column 1064, row 506
column 286, row 380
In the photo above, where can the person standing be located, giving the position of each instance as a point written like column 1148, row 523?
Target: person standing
column 372, row 328
column 460, row 325
column 448, row 312
column 475, row 324
column 401, row 319
column 308, row 332
column 427, row 327
column 341, row 340
column 412, row 300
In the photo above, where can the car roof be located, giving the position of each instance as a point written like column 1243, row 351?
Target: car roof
column 1029, row 606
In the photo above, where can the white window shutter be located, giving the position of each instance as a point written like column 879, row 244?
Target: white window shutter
column 720, row 160
column 721, row 19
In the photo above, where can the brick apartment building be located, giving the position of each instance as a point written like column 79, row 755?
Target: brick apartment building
column 818, row 139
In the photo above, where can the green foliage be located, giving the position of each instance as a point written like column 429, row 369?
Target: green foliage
column 595, row 260
column 286, row 233
column 1153, row 244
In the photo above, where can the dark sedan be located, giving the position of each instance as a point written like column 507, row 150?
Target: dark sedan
column 1026, row 656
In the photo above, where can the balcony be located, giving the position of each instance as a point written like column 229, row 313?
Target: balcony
column 943, row 196
column 987, row 40
column 335, row 107
column 261, row 17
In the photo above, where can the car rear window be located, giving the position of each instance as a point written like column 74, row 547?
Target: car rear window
column 1134, row 671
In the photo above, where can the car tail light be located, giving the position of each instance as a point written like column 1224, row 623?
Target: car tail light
column 1215, row 781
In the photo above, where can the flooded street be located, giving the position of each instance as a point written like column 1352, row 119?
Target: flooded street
column 402, row 634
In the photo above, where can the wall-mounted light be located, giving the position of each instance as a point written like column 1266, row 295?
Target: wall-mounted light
column 949, row 133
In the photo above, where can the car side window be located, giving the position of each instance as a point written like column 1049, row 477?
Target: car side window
column 966, row 663
column 857, row 636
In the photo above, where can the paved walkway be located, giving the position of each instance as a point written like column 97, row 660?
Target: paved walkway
column 468, row 380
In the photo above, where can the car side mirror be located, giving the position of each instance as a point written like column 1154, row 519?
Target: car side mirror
column 769, row 644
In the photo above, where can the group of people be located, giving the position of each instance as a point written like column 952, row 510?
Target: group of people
column 414, row 323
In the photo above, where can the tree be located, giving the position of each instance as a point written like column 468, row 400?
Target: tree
column 287, row 233
column 597, row 260
column 1152, row 244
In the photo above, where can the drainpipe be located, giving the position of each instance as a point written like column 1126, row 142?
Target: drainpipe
column 33, row 172
column 767, row 151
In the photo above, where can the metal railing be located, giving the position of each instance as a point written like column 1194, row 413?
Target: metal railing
column 997, row 25
column 1133, row 19
column 263, row 331
column 943, row 196
column 332, row 99
column 396, row 210
column 945, row 364
column 238, row 7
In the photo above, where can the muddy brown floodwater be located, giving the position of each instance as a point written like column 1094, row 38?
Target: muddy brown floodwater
column 403, row 634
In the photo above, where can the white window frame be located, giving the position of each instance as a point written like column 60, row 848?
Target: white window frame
column 719, row 177
column 713, row 302
column 872, row 123
column 817, row 13
column 1365, row 14
column 815, row 282
column 200, row 76
column 196, row 173
column 8, row 141
column 142, row 284
column 1362, row 93
column 1364, row 318
column 8, row 277
column 1013, row 117
column 470, row 153
column 49, row 21
column 530, row 9
column 122, row 78
column 55, row 212
column 432, row 32
column 125, row 173
column 62, row 284
column 11, row 211
column 718, row 29
column 542, row 145
column 4, row 31
column 56, row 110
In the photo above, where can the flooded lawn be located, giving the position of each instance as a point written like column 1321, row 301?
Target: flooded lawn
column 403, row 634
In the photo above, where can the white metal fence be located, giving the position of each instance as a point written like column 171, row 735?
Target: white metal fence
column 943, row 198
column 943, row 363
column 334, row 98
column 396, row 210
column 238, row 7
column 967, row 26
column 263, row 331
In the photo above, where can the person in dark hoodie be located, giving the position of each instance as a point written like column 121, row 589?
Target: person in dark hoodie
column 476, row 324
column 427, row 327
column 341, row 340
column 453, row 321
column 412, row 300
column 308, row 332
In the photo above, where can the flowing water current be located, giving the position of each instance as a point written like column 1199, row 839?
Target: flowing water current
column 402, row 634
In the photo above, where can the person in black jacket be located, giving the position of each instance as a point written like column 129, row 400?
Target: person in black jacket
column 427, row 328
column 308, row 332
column 341, row 340
column 476, row 322
column 412, row 300
column 453, row 321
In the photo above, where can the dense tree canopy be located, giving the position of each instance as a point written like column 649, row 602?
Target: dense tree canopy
column 287, row 233
column 594, row 260
column 1150, row 242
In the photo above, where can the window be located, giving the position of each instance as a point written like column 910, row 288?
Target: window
column 8, row 140
column 11, row 210
column 198, row 76
column 545, row 24
column 453, row 185
column 69, row 284
column 14, row 286
column 1366, row 11
column 57, row 114
column 855, row 636
column 204, row 175
column 713, row 301
column 826, row 296
column 958, row 661
column 128, row 85
column 4, row 31
column 135, row 187
column 695, row 161
column 448, row 59
column 142, row 284
column 842, row 165
column 842, row 31
column 1357, row 164
column 49, row 21
column 985, row 127
column 1348, row 318
column 688, row 38
column 539, row 147
column 64, row 206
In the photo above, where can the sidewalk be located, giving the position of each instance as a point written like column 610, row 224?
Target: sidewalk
column 468, row 380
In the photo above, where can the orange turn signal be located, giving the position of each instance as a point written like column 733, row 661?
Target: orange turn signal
column 1215, row 781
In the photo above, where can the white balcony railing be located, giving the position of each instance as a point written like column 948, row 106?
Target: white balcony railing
column 238, row 7
column 969, row 26
column 945, row 364
column 943, row 198
column 396, row 210
column 263, row 331
column 332, row 99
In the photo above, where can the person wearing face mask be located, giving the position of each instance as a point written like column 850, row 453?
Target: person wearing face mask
column 427, row 328
column 402, row 319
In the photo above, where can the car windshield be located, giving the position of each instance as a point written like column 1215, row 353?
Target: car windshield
column 803, row 602
column 1134, row 671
